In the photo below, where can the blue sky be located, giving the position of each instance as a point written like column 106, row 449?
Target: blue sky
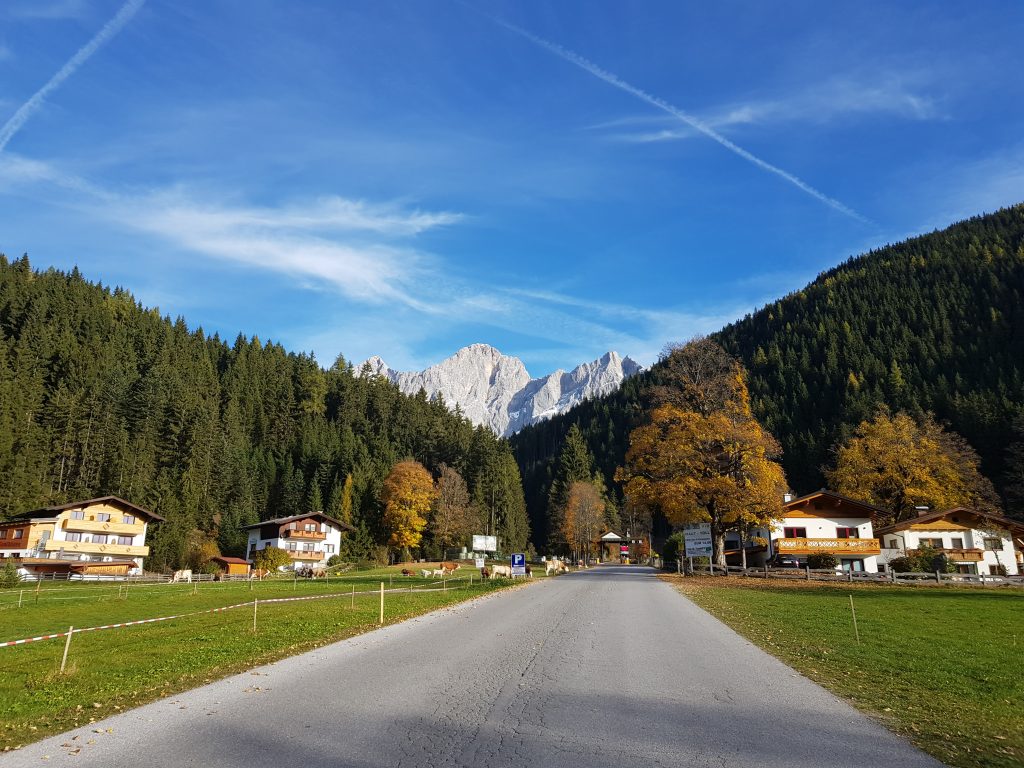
column 554, row 178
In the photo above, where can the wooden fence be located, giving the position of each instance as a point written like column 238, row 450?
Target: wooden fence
column 891, row 577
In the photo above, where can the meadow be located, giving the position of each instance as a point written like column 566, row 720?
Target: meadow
column 943, row 667
column 114, row 669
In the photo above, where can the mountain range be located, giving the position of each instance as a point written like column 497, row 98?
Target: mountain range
column 496, row 390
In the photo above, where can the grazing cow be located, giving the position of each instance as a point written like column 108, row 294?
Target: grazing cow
column 438, row 573
column 185, row 575
column 407, row 572
column 258, row 573
column 501, row 571
column 529, row 571
column 450, row 567
column 425, row 573
column 484, row 573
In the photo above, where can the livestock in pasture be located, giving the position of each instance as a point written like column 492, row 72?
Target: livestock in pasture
column 425, row 573
column 407, row 572
column 501, row 571
column 185, row 575
column 438, row 573
column 450, row 567
column 258, row 573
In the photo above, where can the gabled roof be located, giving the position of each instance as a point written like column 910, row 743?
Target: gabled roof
column 306, row 516
column 1004, row 522
column 231, row 560
column 611, row 536
column 114, row 501
column 870, row 508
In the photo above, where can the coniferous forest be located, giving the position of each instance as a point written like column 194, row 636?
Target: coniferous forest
column 101, row 396
column 934, row 324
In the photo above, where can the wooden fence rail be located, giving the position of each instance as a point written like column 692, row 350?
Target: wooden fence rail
column 891, row 577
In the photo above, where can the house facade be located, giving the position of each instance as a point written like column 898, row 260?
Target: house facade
column 309, row 539
column 104, row 530
column 975, row 542
column 822, row 521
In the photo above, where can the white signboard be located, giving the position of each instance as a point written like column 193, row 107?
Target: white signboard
column 485, row 543
column 480, row 562
column 698, row 539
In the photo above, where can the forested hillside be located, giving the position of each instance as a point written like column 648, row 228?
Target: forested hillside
column 935, row 323
column 101, row 396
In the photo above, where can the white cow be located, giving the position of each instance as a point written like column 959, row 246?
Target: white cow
column 501, row 571
column 438, row 573
column 185, row 575
column 425, row 573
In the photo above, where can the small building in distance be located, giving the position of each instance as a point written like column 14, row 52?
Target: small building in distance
column 822, row 521
column 102, row 530
column 231, row 566
column 976, row 542
column 309, row 539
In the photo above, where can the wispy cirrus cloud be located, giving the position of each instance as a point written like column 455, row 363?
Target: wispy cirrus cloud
column 901, row 96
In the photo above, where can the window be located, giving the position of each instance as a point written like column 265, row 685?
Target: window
column 956, row 543
column 129, row 520
column 933, row 543
column 74, row 537
column 291, row 526
column 894, row 544
column 78, row 514
column 127, row 540
column 329, row 549
column 993, row 544
column 847, row 533
column 307, row 548
column 310, row 527
column 99, row 538
column 292, row 546
column 18, row 533
column 102, row 517
column 795, row 533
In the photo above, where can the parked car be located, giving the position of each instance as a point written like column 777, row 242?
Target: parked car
column 784, row 561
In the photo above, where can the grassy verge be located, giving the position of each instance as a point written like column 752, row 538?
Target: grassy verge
column 942, row 667
column 117, row 669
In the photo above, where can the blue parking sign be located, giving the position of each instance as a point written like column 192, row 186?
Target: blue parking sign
column 518, row 564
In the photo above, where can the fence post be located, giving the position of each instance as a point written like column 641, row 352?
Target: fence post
column 353, row 596
column 21, row 594
column 766, row 571
column 892, row 575
column 849, row 575
column 64, row 658
column 39, row 583
column 255, row 605
column 938, row 577
column 856, row 632
column 711, row 565
column 382, row 602
column 807, row 571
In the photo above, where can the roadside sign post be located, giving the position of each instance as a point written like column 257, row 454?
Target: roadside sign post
column 518, row 565
column 698, row 542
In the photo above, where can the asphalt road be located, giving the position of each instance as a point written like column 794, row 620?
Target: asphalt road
column 606, row 667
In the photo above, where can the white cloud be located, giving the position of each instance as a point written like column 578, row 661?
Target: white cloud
column 899, row 96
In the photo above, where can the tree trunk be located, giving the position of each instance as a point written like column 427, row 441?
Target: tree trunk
column 718, row 545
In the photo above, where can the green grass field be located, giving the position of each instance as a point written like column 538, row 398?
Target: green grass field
column 942, row 666
column 116, row 669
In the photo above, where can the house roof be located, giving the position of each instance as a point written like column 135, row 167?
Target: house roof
column 114, row 501
column 1005, row 522
column 611, row 536
column 231, row 560
column 871, row 508
column 306, row 516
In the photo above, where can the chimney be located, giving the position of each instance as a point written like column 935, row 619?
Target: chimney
column 922, row 509
column 787, row 497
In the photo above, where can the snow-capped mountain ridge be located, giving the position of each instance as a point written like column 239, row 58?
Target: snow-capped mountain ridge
column 496, row 389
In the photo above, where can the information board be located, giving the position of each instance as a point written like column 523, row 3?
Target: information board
column 518, row 565
column 698, row 539
column 480, row 562
column 485, row 543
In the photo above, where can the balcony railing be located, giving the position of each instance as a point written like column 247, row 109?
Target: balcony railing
column 95, row 526
column 836, row 546
column 91, row 548
column 305, row 554
column 310, row 535
column 958, row 555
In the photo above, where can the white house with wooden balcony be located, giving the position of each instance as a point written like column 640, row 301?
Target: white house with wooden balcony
column 975, row 542
column 824, row 521
column 309, row 539
column 103, row 530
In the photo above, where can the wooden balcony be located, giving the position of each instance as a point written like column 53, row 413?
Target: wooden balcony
column 89, row 548
column 299, row 554
column 959, row 555
column 94, row 526
column 307, row 535
column 835, row 546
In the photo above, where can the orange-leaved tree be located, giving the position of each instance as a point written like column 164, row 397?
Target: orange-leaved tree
column 897, row 462
column 583, row 517
column 703, row 457
column 407, row 494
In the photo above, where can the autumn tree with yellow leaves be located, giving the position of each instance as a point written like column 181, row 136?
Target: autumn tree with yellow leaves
column 407, row 494
column 897, row 463
column 583, row 517
column 703, row 457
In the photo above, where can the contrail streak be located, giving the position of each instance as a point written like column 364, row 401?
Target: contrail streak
column 29, row 108
column 602, row 74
